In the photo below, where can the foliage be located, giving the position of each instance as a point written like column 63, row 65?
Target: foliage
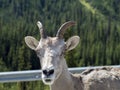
column 97, row 24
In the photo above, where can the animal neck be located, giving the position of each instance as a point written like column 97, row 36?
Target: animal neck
column 64, row 82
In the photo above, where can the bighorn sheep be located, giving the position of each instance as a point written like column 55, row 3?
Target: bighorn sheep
column 50, row 51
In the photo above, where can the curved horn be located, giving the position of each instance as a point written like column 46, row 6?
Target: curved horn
column 42, row 32
column 62, row 29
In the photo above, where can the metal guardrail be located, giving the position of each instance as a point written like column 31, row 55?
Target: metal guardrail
column 32, row 75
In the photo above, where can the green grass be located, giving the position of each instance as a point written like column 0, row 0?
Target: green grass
column 33, row 85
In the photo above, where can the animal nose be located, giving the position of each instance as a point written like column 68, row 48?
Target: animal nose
column 48, row 72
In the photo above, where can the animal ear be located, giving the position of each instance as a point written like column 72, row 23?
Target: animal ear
column 31, row 42
column 72, row 42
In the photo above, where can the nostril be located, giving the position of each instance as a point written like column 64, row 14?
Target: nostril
column 51, row 71
column 48, row 72
column 45, row 72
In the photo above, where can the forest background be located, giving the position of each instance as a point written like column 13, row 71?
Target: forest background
column 98, row 25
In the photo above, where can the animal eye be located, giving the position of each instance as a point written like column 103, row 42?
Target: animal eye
column 40, row 52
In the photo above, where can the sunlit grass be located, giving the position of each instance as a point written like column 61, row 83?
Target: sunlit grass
column 93, row 10
column 88, row 6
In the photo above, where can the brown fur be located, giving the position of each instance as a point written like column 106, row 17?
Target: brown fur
column 106, row 78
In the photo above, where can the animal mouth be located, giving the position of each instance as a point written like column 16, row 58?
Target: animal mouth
column 48, row 80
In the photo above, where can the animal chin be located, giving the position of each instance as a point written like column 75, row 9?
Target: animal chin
column 48, row 81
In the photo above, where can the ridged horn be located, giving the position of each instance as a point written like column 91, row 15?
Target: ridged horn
column 42, row 31
column 63, row 27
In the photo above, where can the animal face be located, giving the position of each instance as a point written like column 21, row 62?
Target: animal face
column 50, row 51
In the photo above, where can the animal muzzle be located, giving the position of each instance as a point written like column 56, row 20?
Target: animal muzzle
column 48, row 76
column 48, row 72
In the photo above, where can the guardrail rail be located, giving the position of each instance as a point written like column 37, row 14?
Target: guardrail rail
column 33, row 75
